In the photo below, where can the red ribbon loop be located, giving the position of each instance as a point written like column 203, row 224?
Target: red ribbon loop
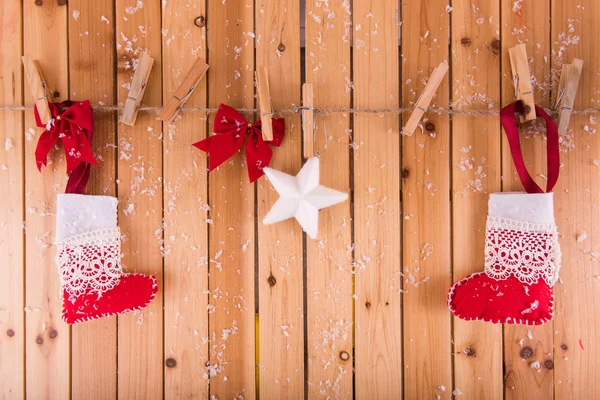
column 75, row 126
column 231, row 130
column 507, row 117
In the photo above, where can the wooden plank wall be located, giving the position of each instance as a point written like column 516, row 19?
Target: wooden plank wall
column 253, row 311
column 91, row 59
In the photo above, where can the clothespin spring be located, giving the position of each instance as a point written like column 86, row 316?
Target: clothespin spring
column 559, row 99
column 45, row 97
column 187, row 96
column 138, row 96
column 314, row 130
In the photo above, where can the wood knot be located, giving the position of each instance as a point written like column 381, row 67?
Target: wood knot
column 549, row 364
column 405, row 173
column 10, row 333
column 430, row 127
column 281, row 47
column 200, row 21
column 170, row 363
column 495, row 46
column 62, row 2
column 53, row 334
column 465, row 41
column 39, row 339
column 526, row 353
column 38, row 2
column 470, row 352
column 271, row 280
column 344, row 356
column 368, row 305
column 526, row 109
column 56, row 94
column 564, row 347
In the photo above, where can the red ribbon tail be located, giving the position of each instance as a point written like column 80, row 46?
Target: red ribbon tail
column 79, row 179
column 509, row 123
column 77, row 150
column 45, row 143
column 258, row 155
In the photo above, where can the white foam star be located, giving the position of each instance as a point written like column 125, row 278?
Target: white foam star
column 301, row 197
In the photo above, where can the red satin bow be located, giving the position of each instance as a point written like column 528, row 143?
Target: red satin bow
column 75, row 126
column 231, row 129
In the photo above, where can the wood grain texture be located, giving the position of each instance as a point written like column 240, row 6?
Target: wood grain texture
column 576, row 324
column 91, row 60
column 140, row 192
column 12, row 321
column 426, row 209
column 377, row 214
column 46, row 358
column 185, row 209
column 281, row 311
column 232, row 232
column 527, row 23
column 329, row 269
column 475, row 174
column 378, row 274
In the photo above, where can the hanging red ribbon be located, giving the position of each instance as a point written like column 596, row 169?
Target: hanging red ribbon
column 507, row 117
column 231, row 130
column 75, row 127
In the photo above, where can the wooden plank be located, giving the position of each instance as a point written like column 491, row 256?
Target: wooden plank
column 91, row 72
column 47, row 337
column 185, row 211
column 329, row 276
column 280, row 292
column 232, row 231
column 577, row 321
column 475, row 174
column 140, row 334
column 426, row 260
column 527, row 23
column 12, row 321
column 377, row 213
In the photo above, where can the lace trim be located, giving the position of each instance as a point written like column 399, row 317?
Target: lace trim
column 90, row 262
column 526, row 250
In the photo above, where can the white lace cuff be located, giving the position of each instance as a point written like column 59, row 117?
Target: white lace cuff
column 526, row 250
column 90, row 262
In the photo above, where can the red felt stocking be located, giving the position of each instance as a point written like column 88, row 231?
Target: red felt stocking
column 89, row 261
column 522, row 254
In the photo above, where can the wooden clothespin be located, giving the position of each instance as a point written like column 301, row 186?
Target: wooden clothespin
column 138, row 87
column 522, row 80
column 264, row 102
column 39, row 87
column 425, row 99
column 181, row 95
column 308, row 120
column 567, row 89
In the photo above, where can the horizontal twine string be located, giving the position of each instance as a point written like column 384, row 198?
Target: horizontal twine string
column 298, row 109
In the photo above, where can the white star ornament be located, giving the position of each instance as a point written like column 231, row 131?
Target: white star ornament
column 301, row 197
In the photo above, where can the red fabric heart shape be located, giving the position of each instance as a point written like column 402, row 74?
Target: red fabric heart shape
column 481, row 298
column 133, row 292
